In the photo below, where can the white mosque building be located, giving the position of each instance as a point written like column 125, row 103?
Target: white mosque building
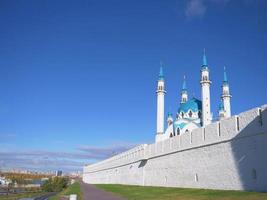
column 192, row 113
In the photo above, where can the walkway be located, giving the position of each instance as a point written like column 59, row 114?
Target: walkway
column 90, row 192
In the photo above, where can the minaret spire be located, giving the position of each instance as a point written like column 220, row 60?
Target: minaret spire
column 226, row 97
column 184, row 84
column 184, row 95
column 161, row 75
column 160, row 104
column 225, row 80
column 204, row 59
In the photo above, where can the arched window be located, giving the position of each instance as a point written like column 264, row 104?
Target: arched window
column 178, row 131
column 171, row 135
column 182, row 114
column 190, row 113
column 186, row 131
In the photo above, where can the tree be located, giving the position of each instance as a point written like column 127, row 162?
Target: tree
column 55, row 184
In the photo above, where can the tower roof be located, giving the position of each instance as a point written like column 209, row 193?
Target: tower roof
column 205, row 62
column 169, row 114
column 225, row 80
column 184, row 88
column 161, row 75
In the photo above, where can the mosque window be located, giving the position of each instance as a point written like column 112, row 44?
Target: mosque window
column 190, row 113
column 182, row 114
column 171, row 135
column 178, row 131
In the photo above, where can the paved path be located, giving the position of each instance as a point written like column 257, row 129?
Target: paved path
column 90, row 192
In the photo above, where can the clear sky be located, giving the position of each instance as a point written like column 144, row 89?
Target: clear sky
column 78, row 78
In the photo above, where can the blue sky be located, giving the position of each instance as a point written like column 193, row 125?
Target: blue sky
column 78, row 78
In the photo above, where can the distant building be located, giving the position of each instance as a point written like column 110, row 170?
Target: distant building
column 58, row 173
column 4, row 181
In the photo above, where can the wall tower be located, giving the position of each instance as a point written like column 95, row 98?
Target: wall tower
column 160, row 105
column 226, row 95
column 205, row 92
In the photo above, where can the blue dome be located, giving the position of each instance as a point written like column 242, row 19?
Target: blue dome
column 193, row 104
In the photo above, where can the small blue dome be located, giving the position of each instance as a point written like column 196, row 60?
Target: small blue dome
column 180, row 125
column 193, row 104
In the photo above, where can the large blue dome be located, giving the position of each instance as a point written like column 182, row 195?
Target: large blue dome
column 193, row 104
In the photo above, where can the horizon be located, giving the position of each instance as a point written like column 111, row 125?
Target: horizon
column 78, row 80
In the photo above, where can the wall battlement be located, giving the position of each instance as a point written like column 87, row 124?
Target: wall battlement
column 219, row 143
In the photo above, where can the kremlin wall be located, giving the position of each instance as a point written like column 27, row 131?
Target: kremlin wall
column 230, row 154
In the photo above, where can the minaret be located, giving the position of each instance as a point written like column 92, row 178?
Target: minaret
column 160, row 105
column 205, row 92
column 184, row 95
column 226, row 95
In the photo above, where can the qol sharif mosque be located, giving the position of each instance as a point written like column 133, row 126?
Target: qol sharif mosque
column 194, row 151
column 193, row 113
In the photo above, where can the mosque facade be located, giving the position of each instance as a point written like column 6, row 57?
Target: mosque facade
column 192, row 113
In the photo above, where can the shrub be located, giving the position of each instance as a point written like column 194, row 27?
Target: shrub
column 55, row 184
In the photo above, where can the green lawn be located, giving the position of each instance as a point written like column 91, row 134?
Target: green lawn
column 72, row 189
column 162, row 193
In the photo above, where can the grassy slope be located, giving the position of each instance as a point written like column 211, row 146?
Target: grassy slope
column 72, row 189
column 162, row 193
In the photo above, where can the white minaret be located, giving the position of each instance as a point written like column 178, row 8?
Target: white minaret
column 160, row 105
column 205, row 92
column 226, row 95
column 184, row 95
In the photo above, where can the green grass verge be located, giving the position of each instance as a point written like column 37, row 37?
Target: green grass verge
column 163, row 193
column 75, row 188
column 18, row 196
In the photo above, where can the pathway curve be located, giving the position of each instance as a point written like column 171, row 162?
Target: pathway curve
column 90, row 192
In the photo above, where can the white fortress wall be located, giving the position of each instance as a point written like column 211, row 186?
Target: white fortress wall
column 228, row 154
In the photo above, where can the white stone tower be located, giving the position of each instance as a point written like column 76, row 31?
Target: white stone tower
column 205, row 92
column 184, row 95
column 226, row 97
column 160, row 105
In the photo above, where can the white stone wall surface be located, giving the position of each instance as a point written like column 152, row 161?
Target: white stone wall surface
column 230, row 154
